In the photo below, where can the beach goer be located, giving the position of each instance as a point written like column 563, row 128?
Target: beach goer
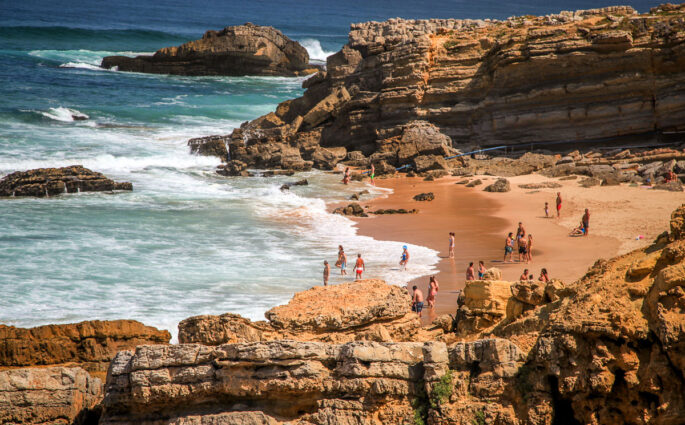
column 342, row 258
column 521, row 231
column 529, row 248
column 524, row 275
column 417, row 301
column 522, row 244
column 372, row 174
column 451, row 250
column 670, row 176
column 481, row 270
column 359, row 267
column 326, row 272
column 346, row 175
column 586, row 221
column 544, row 277
column 547, row 209
column 405, row 257
column 433, row 289
column 509, row 247
column 558, row 204
column 470, row 274
column 578, row 231
column 340, row 252
column 530, row 277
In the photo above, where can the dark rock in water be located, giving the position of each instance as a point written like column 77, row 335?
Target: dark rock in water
column 238, row 50
column 55, row 181
column 210, row 146
column 424, row 196
column 233, row 169
column 501, row 185
column 474, row 183
column 353, row 209
column 271, row 173
column 287, row 186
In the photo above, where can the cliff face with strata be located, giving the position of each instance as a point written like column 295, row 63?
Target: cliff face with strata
column 575, row 76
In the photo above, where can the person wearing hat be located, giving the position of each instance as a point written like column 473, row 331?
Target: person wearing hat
column 405, row 257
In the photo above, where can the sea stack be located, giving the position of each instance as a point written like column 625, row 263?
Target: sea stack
column 234, row 51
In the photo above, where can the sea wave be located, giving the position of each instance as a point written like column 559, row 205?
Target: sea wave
column 63, row 114
column 316, row 52
column 32, row 35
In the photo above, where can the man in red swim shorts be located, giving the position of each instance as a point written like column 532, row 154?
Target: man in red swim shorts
column 359, row 267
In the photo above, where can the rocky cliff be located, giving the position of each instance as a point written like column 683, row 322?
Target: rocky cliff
column 238, row 50
column 403, row 89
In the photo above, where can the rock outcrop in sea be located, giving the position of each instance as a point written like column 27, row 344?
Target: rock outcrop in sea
column 235, row 51
column 56, row 181
column 410, row 91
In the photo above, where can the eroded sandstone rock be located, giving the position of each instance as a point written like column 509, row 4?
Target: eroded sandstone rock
column 42, row 182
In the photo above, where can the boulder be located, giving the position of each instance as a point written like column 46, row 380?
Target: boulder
column 327, row 158
column 424, row 197
column 233, row 168
column 589, row 182
column 501, row 185
column 353, row 209
column 237, row 50
column 287, row 186
column 673, row 186
column 492, row 273
column 43, row 182
column 210, row 146
column 421, row 138
column 430, row 162
column 474, row 183
column 529, row 292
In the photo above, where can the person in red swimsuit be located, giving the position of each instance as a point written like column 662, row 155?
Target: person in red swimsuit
column 558, row 203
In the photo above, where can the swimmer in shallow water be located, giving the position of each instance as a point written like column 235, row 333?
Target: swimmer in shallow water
column 405, row 257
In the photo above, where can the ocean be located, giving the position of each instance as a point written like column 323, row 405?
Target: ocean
column 186, row 241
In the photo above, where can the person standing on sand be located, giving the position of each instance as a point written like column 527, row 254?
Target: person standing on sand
column 546, row 209
column 451, row 251
column 509, row 248
column 417, row 301
column 372, row 174
column 326, row 272
column 524, row 275
column 346, row 175
column 405, row 257
column 586, row 221
column 522, row 248
column 359, row 267
column 470, row 275
column 529, row 248
column 558, row 204
column 521, row 231
column 544, row 277
column 433, row 289
column 481, row 270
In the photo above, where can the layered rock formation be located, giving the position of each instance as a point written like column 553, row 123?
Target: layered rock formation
column 55, row 181
column 403, row 89
column 91, row 345
column 328, row 314
column 238, row 50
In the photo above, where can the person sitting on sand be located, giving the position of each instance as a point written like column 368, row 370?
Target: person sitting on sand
column 509, row 247
column 524, row 275
column 578, row 231
column 451, row 249
column 544, row 277
column 529, row 248
column 359, row 267
column 558, row 204
column 417, row 301
column 326, row 272
column 433, row 289
column 586, row 221
column 481, row 270
column 470, row 274
column 522, row 248
column 405, row 257
column 546, row 209
column 346, row 175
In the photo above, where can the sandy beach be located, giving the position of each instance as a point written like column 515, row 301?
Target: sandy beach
column 481, row 221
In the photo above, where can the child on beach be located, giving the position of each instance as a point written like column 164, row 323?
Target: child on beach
column 405, row 257
column 546, row 209
column 481, row 270
column 451, row 249
column 359, row 267
column 326, row 272
column 470, row 275
column 509, row 248
column 529, row 248
column 417, row 301
column 433, row 289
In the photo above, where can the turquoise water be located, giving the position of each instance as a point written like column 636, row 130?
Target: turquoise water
column 186, row 241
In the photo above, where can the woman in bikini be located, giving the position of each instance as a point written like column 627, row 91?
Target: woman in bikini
column 433, row 289
column 470, row 275
column 544, row 277
column 346, row 176
column 451, row 251
column 558, row 203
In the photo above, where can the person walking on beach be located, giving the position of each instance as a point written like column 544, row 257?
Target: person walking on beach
column 470, row 275
column 346, row 175
column 481, row 270
column 451, row 250
column 546, row 209
column 521, row 241
column 544, row 277
column 529, row 248
column 359, row 267
column 524, row 275
column 433, row 289
column 326, row 272
column 586, row 221
column 372, row 174
column 509, row 248
column 558, row 204
column 417, row 301
column 342, row 261
column 405, row 257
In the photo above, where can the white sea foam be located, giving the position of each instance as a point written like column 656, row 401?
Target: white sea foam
column 82, row 65
column 316, row 52
column 64, row 114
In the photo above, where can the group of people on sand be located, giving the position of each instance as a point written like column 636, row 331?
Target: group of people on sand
column 584, row 228
column 417, row 299
column 544, row 276
column 524, row 243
